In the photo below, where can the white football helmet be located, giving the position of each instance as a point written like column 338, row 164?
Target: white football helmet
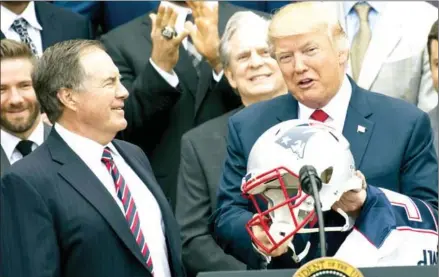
column 273, row 170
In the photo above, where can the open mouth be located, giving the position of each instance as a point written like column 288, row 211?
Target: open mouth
column 306, row 83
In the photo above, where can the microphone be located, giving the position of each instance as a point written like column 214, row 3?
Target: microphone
column 311, row 184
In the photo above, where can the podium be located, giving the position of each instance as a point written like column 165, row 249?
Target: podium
column 400, row 271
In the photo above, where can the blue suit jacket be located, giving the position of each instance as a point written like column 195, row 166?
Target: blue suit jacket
column 396, row 152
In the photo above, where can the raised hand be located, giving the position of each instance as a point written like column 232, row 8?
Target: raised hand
column 204, row 34
column 165, row 52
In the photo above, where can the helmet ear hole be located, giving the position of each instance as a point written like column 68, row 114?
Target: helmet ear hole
column 326, row 175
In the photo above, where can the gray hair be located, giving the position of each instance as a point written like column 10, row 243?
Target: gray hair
column 59, row 68
column 240, row 21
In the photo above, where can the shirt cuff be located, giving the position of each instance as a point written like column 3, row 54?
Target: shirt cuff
column 171, row 79
column 217, row 77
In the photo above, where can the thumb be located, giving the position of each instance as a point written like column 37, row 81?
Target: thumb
column 182, row 35
column 192, row 29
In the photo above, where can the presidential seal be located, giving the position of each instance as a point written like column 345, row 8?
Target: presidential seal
column 327, row 267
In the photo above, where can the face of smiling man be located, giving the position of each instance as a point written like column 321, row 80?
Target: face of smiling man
column 20, row 110
column 251, row 70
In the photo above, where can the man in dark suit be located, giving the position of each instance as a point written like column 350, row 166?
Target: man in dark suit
column 40, row 24
column 173, row 88
column 22, row 129
column 391, row 140
column 255, row 77
column 82, row 203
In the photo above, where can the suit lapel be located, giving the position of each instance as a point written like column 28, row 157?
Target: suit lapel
column 358, row 128
column 386, row 35
column 289, row 109
column 4, row 161
column 51, row 29
column 82, row 179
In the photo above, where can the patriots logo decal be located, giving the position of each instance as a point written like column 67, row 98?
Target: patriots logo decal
column 296, row 139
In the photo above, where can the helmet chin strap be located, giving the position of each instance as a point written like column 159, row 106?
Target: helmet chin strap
column 349, row 223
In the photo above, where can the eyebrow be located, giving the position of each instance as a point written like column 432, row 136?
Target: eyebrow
column 111, row 79
column 309, row 43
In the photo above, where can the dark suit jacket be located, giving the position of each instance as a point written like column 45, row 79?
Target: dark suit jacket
column 396, row 152
column 59, row 24
column 61, row 221
column 158, row 114
column 203, row 150
column 5, row 161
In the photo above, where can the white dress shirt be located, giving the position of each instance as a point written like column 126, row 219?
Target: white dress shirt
column 149, row 212
column 9, row 142
column 33, row 28
column 336, row 108
column 172, row 79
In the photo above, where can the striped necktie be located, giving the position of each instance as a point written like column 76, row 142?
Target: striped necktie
column 131, row 215
column 20, row 27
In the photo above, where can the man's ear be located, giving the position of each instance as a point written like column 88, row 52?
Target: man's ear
column 68, row 98
column 230, row 78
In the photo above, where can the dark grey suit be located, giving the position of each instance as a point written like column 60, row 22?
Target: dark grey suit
column 5, row 164
column 202, row 156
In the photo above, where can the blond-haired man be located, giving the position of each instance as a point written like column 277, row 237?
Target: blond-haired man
column 391, row 140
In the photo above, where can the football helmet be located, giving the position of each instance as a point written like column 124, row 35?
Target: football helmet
column 272, row 179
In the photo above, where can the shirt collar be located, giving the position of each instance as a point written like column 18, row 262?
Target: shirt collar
column 9, row 141
column 375, row 5
column 8, row 17
column 88, row 150
column 337, row 106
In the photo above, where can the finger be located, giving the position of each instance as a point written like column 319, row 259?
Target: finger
column 190, row 27
column 173, row 18
column 166, row 16
column 181, row 36
column 153, row 18
column 191, row 4
column 159, row 17
column 196, row 8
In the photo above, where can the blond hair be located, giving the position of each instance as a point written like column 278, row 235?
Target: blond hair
column 303, row 17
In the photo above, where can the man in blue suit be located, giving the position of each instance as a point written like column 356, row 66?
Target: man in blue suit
column 82, row 203
column 391, row 140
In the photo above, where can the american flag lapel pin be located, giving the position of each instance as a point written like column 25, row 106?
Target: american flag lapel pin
column 361, row 129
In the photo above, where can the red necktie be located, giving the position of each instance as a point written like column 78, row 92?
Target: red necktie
column 129, row 206
column 319, row 115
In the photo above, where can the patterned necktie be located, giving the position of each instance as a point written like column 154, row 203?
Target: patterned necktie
column 361, row 39
column 192, row 51
column 25, row 147
column 131, row 215
column 20, row 27
column 319, row 115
